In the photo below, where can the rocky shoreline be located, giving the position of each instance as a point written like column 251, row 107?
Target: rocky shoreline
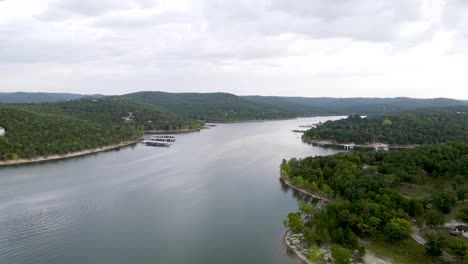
column 178, row 131
column 377, row 145
column 68, row 155
column 316, row 196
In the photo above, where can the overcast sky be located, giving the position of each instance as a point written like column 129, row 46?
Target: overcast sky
column 339, row 48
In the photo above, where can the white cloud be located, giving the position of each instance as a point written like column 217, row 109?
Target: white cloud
column 310, row 48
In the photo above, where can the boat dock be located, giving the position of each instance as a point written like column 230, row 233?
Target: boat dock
column 159, row 141
column 156, row 143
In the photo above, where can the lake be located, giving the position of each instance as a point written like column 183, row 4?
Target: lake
column 212, row 197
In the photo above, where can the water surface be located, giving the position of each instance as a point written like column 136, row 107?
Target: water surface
column 213, row 197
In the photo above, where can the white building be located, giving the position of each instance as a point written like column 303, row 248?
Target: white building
column 461, row 230
column 2, row 131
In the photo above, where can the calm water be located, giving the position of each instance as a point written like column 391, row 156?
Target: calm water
column 213, row 197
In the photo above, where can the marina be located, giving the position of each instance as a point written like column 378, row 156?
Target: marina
column 159, row 141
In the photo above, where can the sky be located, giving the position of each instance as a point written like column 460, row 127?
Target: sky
column 336, row 48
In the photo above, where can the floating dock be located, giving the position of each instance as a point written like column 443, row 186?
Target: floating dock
column 156, row 143
column 159, row 141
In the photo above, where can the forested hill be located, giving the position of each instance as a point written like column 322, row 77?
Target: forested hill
column 24, row 97
column 422, row 126
column 211, row 106
column 58, row 128
column 376, row 194
column 30, row 134
column 363, row 106
column 117, row 111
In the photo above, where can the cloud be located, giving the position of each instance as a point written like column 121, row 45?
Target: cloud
column 239, row 46
column 362, row 20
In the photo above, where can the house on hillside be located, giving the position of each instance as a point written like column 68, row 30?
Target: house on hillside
column 2, row 131
column 461, row 230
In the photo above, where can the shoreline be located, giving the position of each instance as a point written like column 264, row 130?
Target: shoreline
column 292, row 249
column 68, row 155
column 179, row 131
column 265, row 120
column 329, row 143
column 316, row 196
column 91, row 151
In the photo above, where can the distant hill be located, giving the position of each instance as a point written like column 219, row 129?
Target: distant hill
column 230, row 107
column 362, row 106
column 212, row 106
column 23, row 97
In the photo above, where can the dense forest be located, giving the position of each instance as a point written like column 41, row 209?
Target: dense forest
column 218, row 107
column 31, row 134
column 424, row 126
column 58, row 128
column 376, row 195
column 118, row 111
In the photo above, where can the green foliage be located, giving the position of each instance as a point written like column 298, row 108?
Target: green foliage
column 314, row 255
column 444, row 201
column 31, row 134
column 434, row 245
column 294, row 222
column 463, row 215
column 459, row 249
column 117, row 111
column 368, row 204
column 59, row 128
column 397, row 229
column 340, row 255
column 418, row 127
column 434, row 218
column 307, row 210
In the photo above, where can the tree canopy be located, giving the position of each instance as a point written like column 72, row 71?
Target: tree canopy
column 429, row 126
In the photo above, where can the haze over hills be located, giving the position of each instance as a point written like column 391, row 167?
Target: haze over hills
column 23, row 97
column 365, row 106
column 222, row 107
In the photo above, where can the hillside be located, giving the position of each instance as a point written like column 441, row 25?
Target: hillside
column 211, row 106
column 422, row 126
column 59, row 128
column 30, row 134
column 363, row 106
column 118, row 111
column 370, row 200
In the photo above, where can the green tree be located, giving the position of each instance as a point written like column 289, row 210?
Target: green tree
column 459, row 249
column 340, row 255
column 314, row 255
column 434, row 245
column 294, row 222
column 397, row 229
column 463, row 215
column 434, row 218
column 307, row 209
column 444, row 202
